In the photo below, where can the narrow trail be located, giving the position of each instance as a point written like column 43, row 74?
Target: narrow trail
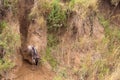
column 33, row 72
column 27, row 71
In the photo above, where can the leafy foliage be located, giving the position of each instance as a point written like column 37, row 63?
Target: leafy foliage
column 56, row 18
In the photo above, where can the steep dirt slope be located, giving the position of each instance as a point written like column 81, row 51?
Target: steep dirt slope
column 79, row 49
column 31, row 33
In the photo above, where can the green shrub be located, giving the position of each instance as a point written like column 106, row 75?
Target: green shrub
column 56, row 18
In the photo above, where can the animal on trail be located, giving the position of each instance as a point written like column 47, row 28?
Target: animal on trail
column 33, row 52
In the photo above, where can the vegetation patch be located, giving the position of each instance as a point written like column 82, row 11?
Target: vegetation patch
column 56, row 18
column 110, row 50
column 61, row 74
column 52, row 42
column 5, row 64
column 2, row 26
column 48, row 57
column 9, row 5
column 8, row 41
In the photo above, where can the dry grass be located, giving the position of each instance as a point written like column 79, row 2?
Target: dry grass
column 9, row 40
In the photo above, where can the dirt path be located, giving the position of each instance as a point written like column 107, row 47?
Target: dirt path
column 33, row 72
column 27, row 71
